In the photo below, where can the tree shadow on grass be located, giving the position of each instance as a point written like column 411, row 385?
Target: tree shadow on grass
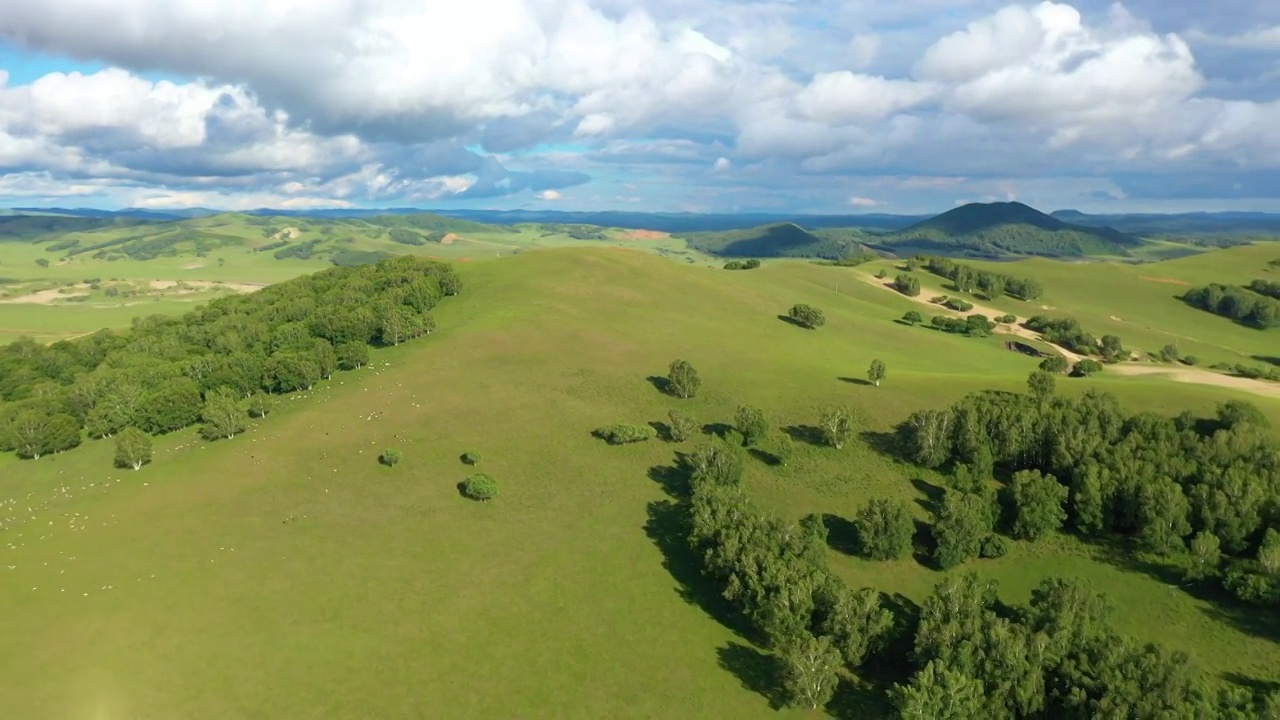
column 767, row 458
column 1269, row 359
column 854, row 381
column 674, row 479
column 1252, row 684
column 808, row 434
column 932, row 500
column 661, row 384
column 720, row 430
column 757, row 671
column 663, row 430
column 885, row 443
column 924, row 546
column 842, row 535
column 668, row 528
column 792, row 321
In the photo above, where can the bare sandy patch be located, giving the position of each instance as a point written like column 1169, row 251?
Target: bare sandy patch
column 193, row 266
column 644, row 235
column 44, row 297
column 464, row 259
column 1165, row 280
column 1116, row 318
column 190, row 286
column 448, row 238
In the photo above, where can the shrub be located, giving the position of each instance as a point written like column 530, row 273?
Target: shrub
column 882, row 274
column 1007, row 319
column 1086, row 367
column 994, row 546
column 622, row 434
column 471, row 457
column 907, row 285
column 389, row 457
column 912, row 317
column 958, row 305
column 480, row 487
column 681, row 425
column 1191, row 360
column 1055, row 364
column 807, row 316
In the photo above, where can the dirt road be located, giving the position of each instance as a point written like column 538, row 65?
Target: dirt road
column 1173, row 372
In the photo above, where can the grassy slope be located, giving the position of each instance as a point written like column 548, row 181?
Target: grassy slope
column 552, row 601
column 1140, row 302
column 236, row 263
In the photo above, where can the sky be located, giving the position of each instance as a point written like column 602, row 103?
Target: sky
column 789, row 106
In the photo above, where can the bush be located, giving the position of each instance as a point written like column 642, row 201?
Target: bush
column 471, row 457
column 907, row 285
column 751, row 264
column 479, row 487
column 807, row 316
column 1007, row 319
column 622, row 434
column 1055, row 364
column 389, row 457
column 882, row 274
column 1086, row 367
column 1191, row 360
column 958, row 305
column 912, row 317
column 681, row 425
column 994, row 546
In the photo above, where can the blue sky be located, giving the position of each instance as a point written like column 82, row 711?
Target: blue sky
column 823, row 106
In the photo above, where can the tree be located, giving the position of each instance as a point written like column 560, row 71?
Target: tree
column 783, row 448
column 683, row 380
column 480, row 487
column 886, row 529
column 836, row 424
column 1112, row 349
column 681, row 425
column 1206, row 556
column 289, row 371
column 857, row 622
column 806, row 316
column 907, row 285
column 811, row 672
column 912, row 317
column 876, row 372
column 223, row 417
column 172, row 406
column 471, row 457
column 1169, row 353
column 1041, row 384
column 1037, row 501
column 259, row 405
column 1055, row 364
column 1162, row 515
column 1269, row 553
column 133, row 448
column 939, row 693
column 963, row 522
column 390, row 457
column 352, row 355
column 927, row 435
column 717, row 463
column 751, row 422
column 1086, row 367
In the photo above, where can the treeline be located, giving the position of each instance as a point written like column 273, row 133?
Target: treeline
column 1200, row 490
column 1068, row 333
column 168, row 373
column 991, row 284
column 960, row 654
column 1254, row 306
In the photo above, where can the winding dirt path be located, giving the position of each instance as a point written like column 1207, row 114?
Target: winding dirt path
column 1196, row 376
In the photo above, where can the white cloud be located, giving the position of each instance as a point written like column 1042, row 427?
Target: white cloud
column 862, row 202
column 722, row 164
column 841, row 98
column 863, row 49
column 549, row 195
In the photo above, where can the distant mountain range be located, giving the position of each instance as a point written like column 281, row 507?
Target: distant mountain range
column 1144, row 224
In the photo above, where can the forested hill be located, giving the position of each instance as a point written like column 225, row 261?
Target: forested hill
column 1008, row 228
column 780, row 240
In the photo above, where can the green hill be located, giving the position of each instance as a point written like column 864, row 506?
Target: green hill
column 1008, row 228
column 781, row 240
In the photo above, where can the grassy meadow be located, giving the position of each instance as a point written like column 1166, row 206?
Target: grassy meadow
column 285, row 573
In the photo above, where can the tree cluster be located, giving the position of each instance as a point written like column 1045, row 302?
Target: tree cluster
column 1243, row 305
column 750, row 264
column 990, row 284
column 623, row 434
column 908, row 285
column 975, row 325
column 212, row 365
column 1159, row 480
column 806, row 316
column 1068, row 333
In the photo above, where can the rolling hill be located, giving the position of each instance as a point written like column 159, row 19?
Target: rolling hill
column 780, row 240
column 1008, row 228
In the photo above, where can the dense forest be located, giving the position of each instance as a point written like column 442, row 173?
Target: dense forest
column 1199, row 490
column 213, row 365
column 1255, row 306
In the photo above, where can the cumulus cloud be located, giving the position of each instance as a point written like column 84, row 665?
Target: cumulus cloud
column 358, row 101
column 549, row 195
column 862, row 202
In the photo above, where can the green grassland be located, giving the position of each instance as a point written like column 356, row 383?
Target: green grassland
column 224, row 249
column 286, row 574
column 1140, row 302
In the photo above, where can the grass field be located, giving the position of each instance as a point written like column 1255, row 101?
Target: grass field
column 286, row 574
